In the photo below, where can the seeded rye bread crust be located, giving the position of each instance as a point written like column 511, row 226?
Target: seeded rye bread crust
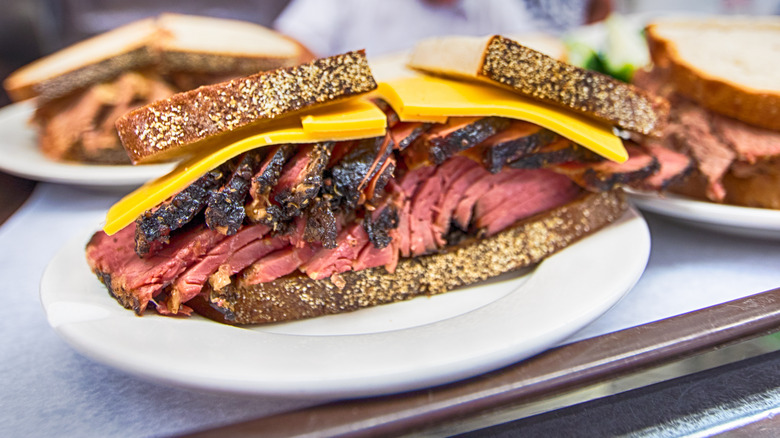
column 170, row 127
column 502, row 61
column 528, row 242
column 693, row 79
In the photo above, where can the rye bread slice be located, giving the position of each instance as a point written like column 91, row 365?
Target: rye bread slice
column 726, row 64
column 507, row 63
column 525, row 244
column 175, row 126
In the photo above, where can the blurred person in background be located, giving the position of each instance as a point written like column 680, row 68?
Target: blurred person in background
column 334, row 26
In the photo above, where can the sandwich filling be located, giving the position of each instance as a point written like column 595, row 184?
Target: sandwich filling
column 326, row 208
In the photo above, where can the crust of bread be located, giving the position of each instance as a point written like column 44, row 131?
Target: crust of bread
column 525, row 244
column 181, row 123
column 504, row 62
column 147, row 43
column 722, row 95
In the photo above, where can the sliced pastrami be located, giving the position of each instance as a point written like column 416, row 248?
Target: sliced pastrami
column 321, row 224
column 301, row 178
column 277, row 264
column 606, row 175
column 372, row 257
column 263, row 183
column 406, row 133
column 244, row 257
column 466, row 176
column 445, row 140
column 352, row 174
column 691, row 130
column 153, row 227
column 461, row 215
column 134, row 281
column 326, row 262
column 376, row 186
column 225, row 208
column 514, row 142
column 379, row 222
column 422, row 237
column 190, row 283
column 526, row 193
column 556, row 152
column 750, row 143
column 674, row 166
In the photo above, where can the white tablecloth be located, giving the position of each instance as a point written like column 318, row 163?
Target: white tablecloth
column 47, row 389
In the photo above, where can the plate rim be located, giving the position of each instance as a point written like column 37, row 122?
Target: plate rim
column 394, row 379
column 703, row 212
column 32, row 164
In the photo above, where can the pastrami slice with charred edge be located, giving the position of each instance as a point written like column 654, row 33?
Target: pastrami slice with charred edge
column 225, row 207
column 379, row 222
column 321, row 226
column 556, row 152
column 517, row 140
column 154, row 226
column 405, row 133
column 301, row 178
column 605, row 175
column 263, row 183
column 674, row 166
column 357, row 167
column 458, row 134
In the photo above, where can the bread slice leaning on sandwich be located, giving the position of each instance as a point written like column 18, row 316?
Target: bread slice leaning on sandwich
column 82, row 89
column 315, row 190
column 720, row 73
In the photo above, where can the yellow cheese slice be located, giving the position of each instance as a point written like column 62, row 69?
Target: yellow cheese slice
column 353, row 115
column 422, row 97
column 343, row 121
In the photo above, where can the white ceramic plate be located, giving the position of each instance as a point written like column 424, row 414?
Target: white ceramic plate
column 742, row 221
column 397, row 347
column 19, row 155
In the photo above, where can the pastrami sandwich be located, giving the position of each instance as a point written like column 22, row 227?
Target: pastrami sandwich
column 82, row 89
column 313, row 190
column 720, row 73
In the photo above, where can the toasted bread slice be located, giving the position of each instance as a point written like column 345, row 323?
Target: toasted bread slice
column 727, row 64
column 170, row 42
column 506, row 63
column 173, row 127
column 522, row 245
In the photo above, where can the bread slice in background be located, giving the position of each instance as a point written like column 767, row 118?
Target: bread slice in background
column 169, row 43
column 87, row 62
column 507, row 63
column 211, row 45
column 729, row 65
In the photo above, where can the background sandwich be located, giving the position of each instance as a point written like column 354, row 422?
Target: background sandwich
column 303, row 198
column 720, row 74
column 81, row 90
